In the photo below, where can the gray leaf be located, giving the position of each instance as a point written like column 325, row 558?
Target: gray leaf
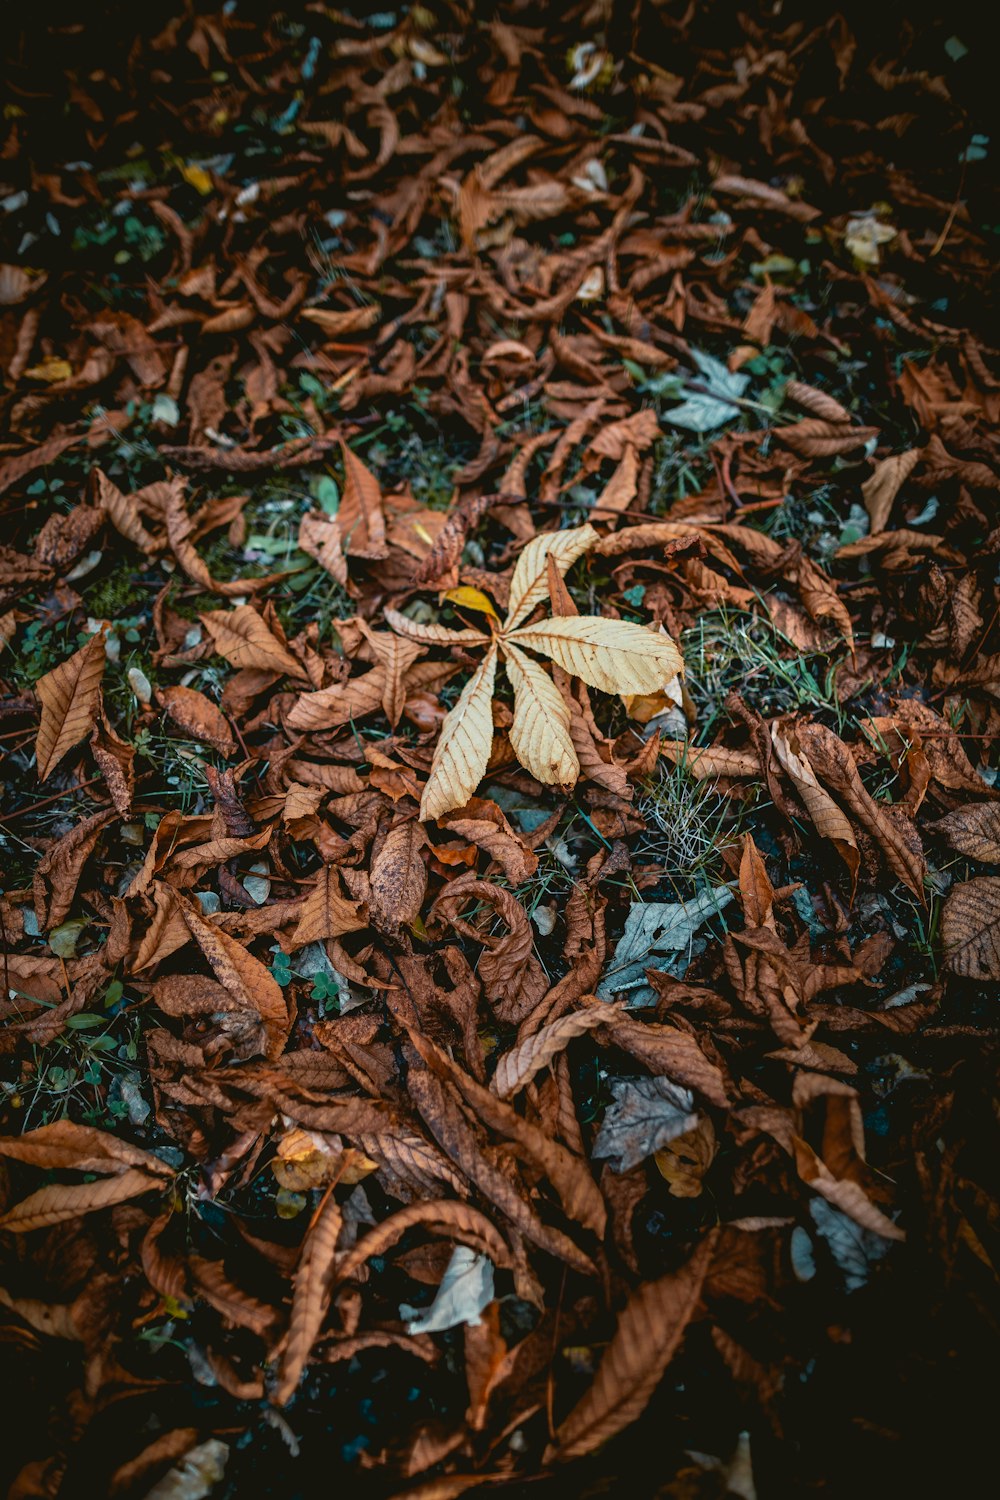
column 466, row 1289
column 648, row 1113
column 657, row 927
column 854, row 1249
column 704, row 411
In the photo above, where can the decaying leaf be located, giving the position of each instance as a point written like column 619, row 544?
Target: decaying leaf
column 970, row 928
column 647, row 1114
column 462, row 1297
column 655, row 928
column 649, row 1330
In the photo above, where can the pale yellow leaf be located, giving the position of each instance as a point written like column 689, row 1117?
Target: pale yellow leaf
column 612, row 655
column 463, row 749
column 432, row 635
column 530, row 583
column 539, row 734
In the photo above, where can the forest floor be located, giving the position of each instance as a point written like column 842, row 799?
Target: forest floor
column 499, row 721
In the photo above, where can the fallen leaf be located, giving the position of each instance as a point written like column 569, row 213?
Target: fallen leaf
column 970, row 928
column 646, row 1115
column 70, row 696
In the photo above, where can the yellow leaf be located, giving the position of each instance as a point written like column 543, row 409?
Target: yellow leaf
column 51, row 370
column 432, row 635
column 197, row 177
column 539, row 734
column 864, row 235
column 470, row 598
column 463, row 749
column 612, row 655
column 530, row 583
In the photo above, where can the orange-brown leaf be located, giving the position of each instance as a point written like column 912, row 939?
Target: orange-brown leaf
column 251, row 984
column 648, row 1334
column 310, row 1295
column 70, row 696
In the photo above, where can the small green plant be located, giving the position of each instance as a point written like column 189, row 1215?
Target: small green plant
column 325, row 991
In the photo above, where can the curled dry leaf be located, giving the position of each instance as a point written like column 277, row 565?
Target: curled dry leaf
column 310, row 1294
column 828, row 819
column 251, row 985
column 115, row 759
column 896, row 836
column 647, row 1336
column 518, row 1067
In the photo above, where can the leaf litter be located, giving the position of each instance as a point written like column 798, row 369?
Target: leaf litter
column 499, row 703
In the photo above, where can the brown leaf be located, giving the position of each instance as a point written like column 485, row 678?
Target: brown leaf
column 829, row 820
column 310, row 1294
column 442, row 1216
column 197, row 716
column 399, row 876
column 327, row 913
column 360, row 518
column 897, row 837
column 66, row 1145
column 647, row 1336
column 970, row 928
column 341, row 703
column 57, row 1203
column 241, row 636
column 511, row 975
column 70, row 696
column 684, row 1161
column 123, row 513
column 519, row 1066
column 115, row 759
column 665, row 1050
column 973, row 831
column 57, row 874
column 245, row 977
column 567, row 1173
column 483, row 823
column 447, row 1123
column 884, row 484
